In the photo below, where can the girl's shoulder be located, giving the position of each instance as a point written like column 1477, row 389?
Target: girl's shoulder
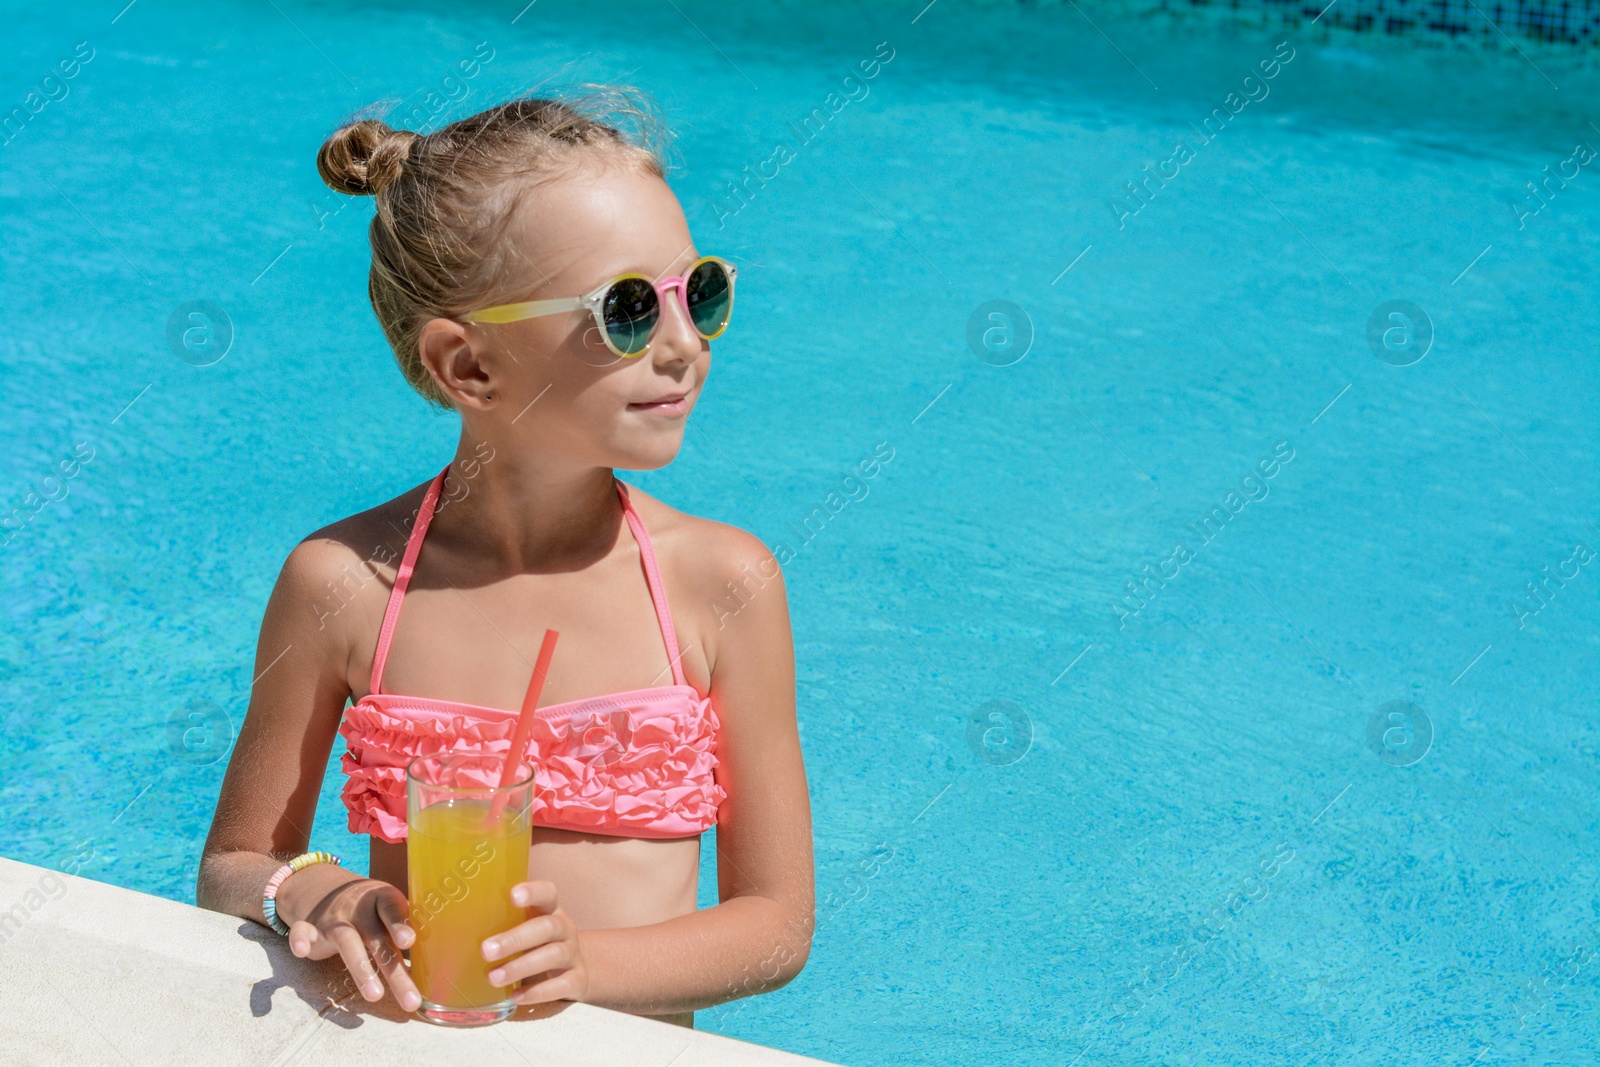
column 352, row 561
column 716, row 573
column 731, row 612
column 700, row 556
column 376, row 537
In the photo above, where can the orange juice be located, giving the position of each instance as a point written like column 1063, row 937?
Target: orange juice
column 461, row 868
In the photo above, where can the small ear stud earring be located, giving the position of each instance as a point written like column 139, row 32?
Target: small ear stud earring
column 488, row 396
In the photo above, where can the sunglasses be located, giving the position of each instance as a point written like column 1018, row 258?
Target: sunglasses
column 627, row 308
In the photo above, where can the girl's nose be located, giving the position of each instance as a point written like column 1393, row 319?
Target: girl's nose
column 676, row 340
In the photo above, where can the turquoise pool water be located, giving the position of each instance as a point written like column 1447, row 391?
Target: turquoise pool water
column 1318, row 788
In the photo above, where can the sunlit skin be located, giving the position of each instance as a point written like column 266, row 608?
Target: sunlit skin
column 534, row 539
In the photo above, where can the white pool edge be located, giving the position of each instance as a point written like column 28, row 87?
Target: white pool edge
column 92, row 973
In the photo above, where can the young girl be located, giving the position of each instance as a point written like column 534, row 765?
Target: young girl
column 534, row 273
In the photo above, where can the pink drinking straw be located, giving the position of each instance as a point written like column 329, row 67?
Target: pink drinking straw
column 524, row 730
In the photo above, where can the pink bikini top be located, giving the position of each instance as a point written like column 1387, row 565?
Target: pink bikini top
column 633, row 764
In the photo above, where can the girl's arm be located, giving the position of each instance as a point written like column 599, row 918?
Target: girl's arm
column 759, row 936
column 269, row 795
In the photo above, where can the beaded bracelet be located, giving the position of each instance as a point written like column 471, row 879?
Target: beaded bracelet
column 269, row 901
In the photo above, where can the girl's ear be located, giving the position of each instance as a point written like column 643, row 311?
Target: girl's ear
column 447, row 351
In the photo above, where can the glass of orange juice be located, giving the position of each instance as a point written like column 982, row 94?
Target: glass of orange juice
column 467, row 845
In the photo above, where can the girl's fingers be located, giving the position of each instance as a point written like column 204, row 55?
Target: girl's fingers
column 546, row 958
column 356, row 961
column 522, row 937
column 563, row 986
column 307, row 942
column 541, row 894
column 393, row 968
column 393, row 913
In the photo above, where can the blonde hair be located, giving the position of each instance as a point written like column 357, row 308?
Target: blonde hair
column 444, row 199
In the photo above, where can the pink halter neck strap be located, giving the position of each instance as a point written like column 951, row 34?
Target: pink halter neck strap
column 408, row 564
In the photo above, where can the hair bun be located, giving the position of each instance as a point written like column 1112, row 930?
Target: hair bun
column 363, row 157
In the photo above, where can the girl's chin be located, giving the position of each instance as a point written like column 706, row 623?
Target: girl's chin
column 648, row 455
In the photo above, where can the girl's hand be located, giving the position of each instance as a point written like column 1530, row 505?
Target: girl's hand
column 550, row 946
column 363, row 920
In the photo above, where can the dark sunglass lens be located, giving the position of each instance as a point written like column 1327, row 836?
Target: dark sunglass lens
column 631, row 310
column 710, row 297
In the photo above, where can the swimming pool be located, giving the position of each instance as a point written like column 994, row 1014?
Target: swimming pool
column 1318, row 788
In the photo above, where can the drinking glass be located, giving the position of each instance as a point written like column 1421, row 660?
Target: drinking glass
column 467, row 845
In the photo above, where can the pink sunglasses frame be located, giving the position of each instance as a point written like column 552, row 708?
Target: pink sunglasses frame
column 595, row 298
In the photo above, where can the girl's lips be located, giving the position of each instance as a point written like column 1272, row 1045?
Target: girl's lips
column 670, row 408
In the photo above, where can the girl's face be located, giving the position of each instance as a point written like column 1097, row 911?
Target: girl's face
column 557, row 391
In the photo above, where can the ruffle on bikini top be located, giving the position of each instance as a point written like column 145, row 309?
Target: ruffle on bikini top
column 634, row 764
